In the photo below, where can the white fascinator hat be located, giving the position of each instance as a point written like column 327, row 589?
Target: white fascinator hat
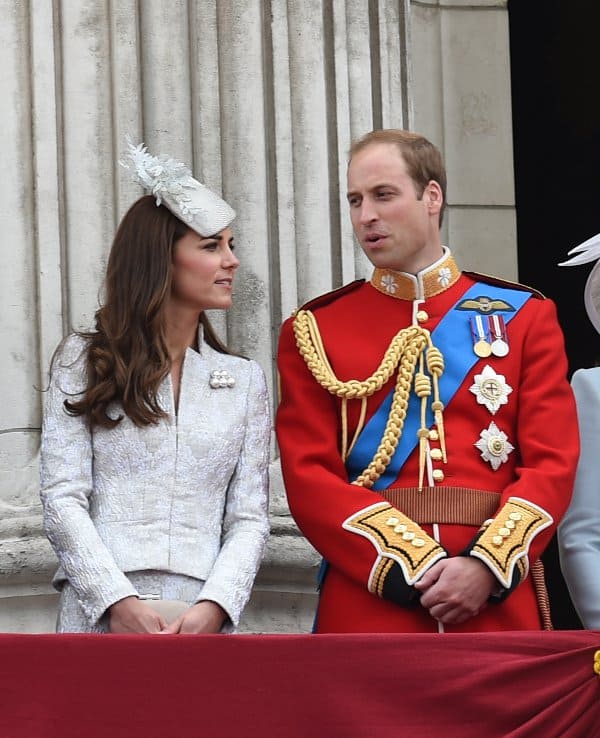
column 584, row 253
column 172, row 184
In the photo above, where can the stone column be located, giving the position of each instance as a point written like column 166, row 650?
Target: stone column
column 461, row 98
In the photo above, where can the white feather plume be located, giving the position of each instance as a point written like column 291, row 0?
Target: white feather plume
column 584, row 253
column 160, row 176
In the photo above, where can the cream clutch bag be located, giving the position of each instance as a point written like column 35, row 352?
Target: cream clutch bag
column 168, row 609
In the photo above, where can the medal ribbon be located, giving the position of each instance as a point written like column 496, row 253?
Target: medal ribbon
column 480, row 334
column 452, row 337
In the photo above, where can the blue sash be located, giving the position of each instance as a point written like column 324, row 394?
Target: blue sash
column 452, row 337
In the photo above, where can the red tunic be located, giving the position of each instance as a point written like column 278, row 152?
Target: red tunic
column 357, row 325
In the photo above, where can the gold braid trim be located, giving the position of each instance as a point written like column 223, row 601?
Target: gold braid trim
column 541, row 592
column 505, row 542
column 396, row 538
column 409, row 346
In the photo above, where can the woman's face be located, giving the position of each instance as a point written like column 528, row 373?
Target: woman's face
column 203, row 271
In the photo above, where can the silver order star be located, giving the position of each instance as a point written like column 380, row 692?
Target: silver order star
column 490, row 389
column 494, row 446
column 389, row 283
column 444, row 275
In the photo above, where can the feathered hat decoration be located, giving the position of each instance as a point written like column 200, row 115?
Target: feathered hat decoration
column 584, row 253
column 172, row 184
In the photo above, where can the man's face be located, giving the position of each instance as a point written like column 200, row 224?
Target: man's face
column 395, row 229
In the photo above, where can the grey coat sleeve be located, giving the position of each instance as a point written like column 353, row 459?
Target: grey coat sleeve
column 246, row 518
column 66, row 487
column 579, row 531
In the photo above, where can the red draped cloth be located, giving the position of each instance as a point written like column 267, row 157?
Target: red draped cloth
column 496, row 685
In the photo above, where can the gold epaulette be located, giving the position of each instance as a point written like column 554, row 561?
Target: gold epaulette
column 329, row 297
column 489, row 279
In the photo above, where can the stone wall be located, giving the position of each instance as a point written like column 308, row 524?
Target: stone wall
column 262, row 98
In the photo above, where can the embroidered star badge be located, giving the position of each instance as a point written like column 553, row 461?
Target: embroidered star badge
column 389, row 284
column 490, row 389
column 444, row 276
column 494, row 446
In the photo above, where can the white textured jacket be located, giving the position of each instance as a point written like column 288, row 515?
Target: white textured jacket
column 187, row 496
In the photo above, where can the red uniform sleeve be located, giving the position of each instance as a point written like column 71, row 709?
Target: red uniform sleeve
column 548, row 447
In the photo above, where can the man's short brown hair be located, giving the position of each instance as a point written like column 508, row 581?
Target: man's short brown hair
column 423, row 160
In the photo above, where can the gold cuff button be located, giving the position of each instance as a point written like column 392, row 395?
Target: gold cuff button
column 515, row 516
column 497, row 540
column 504, row 532
column 408, row 536
column 509, row 524
column 418, row 542
column 392, row 521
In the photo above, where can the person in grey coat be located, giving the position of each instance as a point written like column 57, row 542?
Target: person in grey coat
column 579, row 532
column 155, row 439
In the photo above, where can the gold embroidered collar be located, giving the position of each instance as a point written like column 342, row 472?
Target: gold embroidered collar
column 428, row 283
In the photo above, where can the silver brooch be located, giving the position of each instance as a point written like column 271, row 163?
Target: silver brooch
column 494, row 446
column 221, row 378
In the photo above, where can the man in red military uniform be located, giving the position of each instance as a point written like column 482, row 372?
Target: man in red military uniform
column 428, row 434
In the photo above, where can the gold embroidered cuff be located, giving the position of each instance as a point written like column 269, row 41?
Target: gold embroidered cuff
column 396, row 538
column 505, row 542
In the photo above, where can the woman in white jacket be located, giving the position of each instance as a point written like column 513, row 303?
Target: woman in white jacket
column 155, row 438
column 579, row 531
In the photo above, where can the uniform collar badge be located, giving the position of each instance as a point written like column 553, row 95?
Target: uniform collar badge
column 432, row 281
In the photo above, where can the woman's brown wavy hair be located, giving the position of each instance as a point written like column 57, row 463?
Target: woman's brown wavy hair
column 127, row 356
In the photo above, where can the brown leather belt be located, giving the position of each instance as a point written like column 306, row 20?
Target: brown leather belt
column 451, row 505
